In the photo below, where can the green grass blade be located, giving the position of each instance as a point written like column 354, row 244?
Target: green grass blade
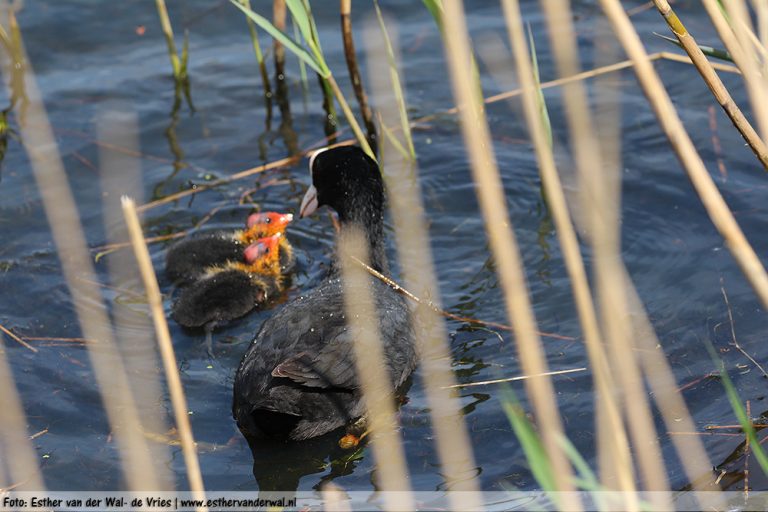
column 302, row 66
column 300, row 17
column 543, row 112
column 396, row 143
column 396, row 85
column 285, row 39
column 435, row 8
column 530, row 442
column 706, row 50
column 184, row 56
column 587, row 477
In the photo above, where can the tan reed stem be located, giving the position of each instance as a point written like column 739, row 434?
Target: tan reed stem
column 453, row 445
column 178, row 400
column 504, row 247
column 736, row 45
column 716, row 207
column 378, row 394
column 15, row 446
column 120, row 173
column 714, row 203
column 615, row 441
column 714, row 83
column 62, row 214
column 601, row 208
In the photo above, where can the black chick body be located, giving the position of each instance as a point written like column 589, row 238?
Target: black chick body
column 219, row 298
column 231, row 291
column 297, row 380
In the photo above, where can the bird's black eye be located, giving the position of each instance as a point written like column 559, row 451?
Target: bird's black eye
column 268, row 220
column 266, row 251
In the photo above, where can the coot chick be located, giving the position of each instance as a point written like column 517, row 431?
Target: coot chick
column 187, row 260
column 297, row 380
column 232, row 290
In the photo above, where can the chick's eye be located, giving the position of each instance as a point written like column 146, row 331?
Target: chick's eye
column 266, row 251
column 268, row 220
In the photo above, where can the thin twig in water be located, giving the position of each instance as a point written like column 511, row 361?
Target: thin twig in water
column 38, row 434
column 390, row 282
column 512, row 379
column 732, row 427
column 110, row 248
column 81, row 341
column 735, row 343
column 17, row 339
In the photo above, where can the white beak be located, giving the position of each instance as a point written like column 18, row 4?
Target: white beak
column 309, row 203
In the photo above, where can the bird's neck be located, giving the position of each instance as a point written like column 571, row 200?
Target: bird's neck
column 372, row 224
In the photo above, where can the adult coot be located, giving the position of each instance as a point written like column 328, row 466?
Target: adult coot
column 297, row 380
column 188, row 259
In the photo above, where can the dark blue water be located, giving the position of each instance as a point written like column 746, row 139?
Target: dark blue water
column 87, row 55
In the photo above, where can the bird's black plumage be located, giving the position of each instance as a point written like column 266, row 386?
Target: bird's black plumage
column 297, row 379
column 218, row 298
column 188, row 259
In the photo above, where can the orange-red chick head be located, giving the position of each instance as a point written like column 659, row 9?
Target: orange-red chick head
column 263, row 255
column 266, row 224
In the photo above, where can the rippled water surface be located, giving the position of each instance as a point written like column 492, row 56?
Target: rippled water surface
column 87, row 56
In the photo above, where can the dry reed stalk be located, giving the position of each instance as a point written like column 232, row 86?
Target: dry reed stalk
column 354, row 71
column 334, row 499
column 611, row 68
column 761, row 8
column 608, row 123
column 121, row 174
column 663, row 385
column 378, row 394
column 601, row 212
column 18, row 460
column 735, row 42
column 504, row 248
column 697, row 173
column 714, row 203
column 415, row 255
column 613, row 444
column 714, row 83
column 62, row 214
column 175, row 388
